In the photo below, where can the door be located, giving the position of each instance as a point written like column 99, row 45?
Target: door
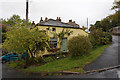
column 64, row 45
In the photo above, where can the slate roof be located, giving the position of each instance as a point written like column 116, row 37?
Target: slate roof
column 56, row 23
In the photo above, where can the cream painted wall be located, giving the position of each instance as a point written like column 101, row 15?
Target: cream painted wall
column 59, row 29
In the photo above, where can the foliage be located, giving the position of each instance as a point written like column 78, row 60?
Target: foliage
column 3, row 29
column 62, row 34
column 17, row 64
column 79, row 45
column 116, row 5
column 110, row 21
column 103, row 41
column 92, row 40
column 21, row 39
column 98, row 37
column 108, row 35
column 14, row 20
column 68, row 63
column 84, row 28
column 48, row 59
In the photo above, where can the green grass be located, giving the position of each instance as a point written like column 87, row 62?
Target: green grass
column 17, row 64
column 69, row 64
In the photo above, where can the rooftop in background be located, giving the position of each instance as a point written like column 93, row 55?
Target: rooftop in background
column 58, row 23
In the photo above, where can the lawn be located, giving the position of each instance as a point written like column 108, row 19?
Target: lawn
column 69, row 64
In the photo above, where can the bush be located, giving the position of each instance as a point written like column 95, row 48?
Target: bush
column 48, row 59
column 17, row 64
column 103, row 41
column 98, row 37
column 92, row 40
column 79, row 45
column 108, row 35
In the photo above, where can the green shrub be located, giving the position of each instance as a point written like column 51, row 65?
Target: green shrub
column 92, row 40
column 103, row 41
column 79, row 45
column 48, row 59
column 97, row 33
column 108, row 35
column 98, row 37
column 17, row 64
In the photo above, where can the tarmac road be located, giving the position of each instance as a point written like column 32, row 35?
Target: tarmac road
column 109, row 57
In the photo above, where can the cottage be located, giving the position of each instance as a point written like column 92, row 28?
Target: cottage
column 56, row 26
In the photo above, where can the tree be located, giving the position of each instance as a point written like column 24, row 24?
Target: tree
column 84, row 28
column 110, row 21
column 92, row 27
column 4, row 30
column 22, row 39
column 116, row 5
column 15, row 20
column 62, row 34
column 117, row 8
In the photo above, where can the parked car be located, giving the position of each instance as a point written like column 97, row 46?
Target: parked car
column 11, row 56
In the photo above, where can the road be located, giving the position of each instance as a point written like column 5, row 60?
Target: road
column 109, row 57
column 10, row 73
column 112, row 60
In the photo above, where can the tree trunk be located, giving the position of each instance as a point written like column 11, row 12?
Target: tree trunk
column 27, row 57
column 31, row 53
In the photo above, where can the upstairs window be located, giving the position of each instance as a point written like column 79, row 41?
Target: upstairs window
column 54, row 29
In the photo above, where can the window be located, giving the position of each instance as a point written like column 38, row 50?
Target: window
column 53, row 29
column 53, row 42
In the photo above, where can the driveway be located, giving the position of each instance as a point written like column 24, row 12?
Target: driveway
column 108, row 58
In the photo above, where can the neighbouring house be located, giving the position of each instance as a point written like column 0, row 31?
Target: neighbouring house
column 56, row 26
column 115, row 30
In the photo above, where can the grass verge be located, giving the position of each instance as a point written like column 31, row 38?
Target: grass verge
column 69, row 64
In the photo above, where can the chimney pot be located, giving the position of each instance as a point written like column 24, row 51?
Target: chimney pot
column 46, row 19
column 70, row 20
column 59, row 19
column 41, row 20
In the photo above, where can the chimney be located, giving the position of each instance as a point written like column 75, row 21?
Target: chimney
column 73, row 21
column 46, row 19
column 41, row 20
column 70, row 21
column 59, row 19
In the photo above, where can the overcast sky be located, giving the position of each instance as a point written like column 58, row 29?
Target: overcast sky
column 77, row 10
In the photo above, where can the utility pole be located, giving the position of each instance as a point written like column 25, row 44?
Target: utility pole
column 87, row 22
column 27, row 55
column 26, row 13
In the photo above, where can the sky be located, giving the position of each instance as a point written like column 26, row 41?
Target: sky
column 77, row 10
